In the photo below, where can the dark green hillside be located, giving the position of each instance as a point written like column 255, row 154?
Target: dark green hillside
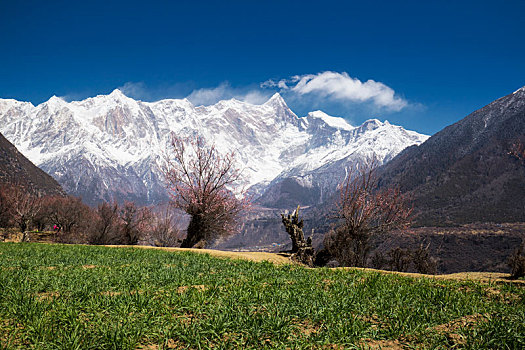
column 86, row 297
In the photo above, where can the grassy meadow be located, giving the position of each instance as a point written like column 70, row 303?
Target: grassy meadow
column 92, row 297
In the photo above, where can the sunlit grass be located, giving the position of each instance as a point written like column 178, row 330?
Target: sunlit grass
column 86, row 297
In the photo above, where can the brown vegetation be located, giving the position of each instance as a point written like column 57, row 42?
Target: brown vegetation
column 362, row 213
column 517, row 150
column 67, row 219
column 164, row 227
column 405, row 259
column 22, row 206
column 517, row 262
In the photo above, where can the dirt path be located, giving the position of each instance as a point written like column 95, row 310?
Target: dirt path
column 253, row 256
column 487, row 277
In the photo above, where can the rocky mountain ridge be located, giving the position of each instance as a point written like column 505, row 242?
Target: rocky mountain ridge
column 112, row 146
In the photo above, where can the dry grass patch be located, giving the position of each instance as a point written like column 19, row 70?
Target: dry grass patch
column 306, row 327
column 169, row 344
column 10, row 336
column 110, row 293
column 259, row 310
column 10, row 268
column 374, row 320
column 484, row 277
column 383, row 344
column 186, row 318
column 198, row 287
column 252, row 256
column 47, row 295
column 450, row 329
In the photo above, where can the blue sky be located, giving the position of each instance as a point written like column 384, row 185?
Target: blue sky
column 420, row 64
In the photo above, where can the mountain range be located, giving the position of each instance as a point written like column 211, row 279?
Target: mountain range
column 113, row 147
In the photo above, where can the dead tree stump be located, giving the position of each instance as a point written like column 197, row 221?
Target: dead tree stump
column 302, row 249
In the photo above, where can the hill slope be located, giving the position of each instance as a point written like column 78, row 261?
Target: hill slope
column 17, row 169
column 464, row 173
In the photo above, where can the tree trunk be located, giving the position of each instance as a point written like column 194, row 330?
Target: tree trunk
column 302, row 249
column 195, row 236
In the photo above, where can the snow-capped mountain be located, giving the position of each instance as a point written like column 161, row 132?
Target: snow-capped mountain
column 112, row 146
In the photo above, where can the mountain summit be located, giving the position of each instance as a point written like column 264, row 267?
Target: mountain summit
column 111, row 146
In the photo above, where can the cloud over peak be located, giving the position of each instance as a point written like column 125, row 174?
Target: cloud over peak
column 224, row 91
column 340, row 87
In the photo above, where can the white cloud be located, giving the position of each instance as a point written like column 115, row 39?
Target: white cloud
column 141, row 91
column 308, row 91
column 209, row 96
column 135, row 90
column 342, row 87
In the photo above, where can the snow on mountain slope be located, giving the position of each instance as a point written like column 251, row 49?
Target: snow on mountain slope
column 111, row 146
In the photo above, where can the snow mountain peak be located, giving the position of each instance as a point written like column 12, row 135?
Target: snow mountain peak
column 117, row 93
column 276, row 101
column 112, row 146
column 371, row 124
column 276, row 98
column 520, row 90
column 335, row 122
column 55, row 100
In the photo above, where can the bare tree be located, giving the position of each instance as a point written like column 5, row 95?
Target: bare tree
column 106, row 225
column 5, row 217
column 201, row 182
column 66, row 213
column 398, row 259
column 302, row 249
column 133, row 222
column 423, row 262
column 517, row 262
column 363, row 212
column 23, row 207
column 165, row 228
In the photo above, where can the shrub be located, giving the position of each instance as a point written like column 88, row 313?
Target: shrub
column 362, row 212
column 133, row 222
column 106, row 224
column 517, row 262
column 398, row 259
column 422, row 261
column 22, row 206
column 165, row 230
column 5, row 218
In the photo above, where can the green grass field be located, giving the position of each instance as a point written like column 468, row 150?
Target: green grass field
column 88, row 297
